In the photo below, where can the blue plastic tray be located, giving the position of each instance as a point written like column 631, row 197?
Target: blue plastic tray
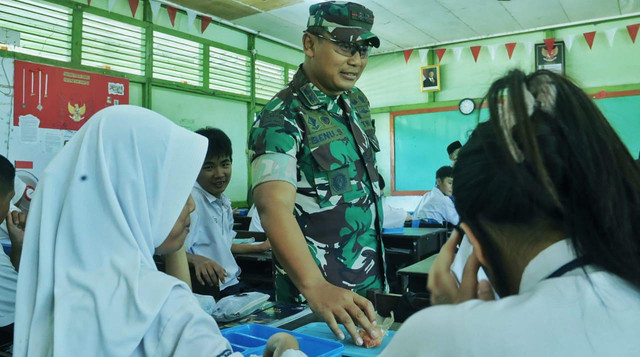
column 252, row 338
column 399, row 230
column 320, row 329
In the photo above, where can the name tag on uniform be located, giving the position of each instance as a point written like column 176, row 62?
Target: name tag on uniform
column 339, row 181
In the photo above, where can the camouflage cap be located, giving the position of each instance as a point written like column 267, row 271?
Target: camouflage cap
column 345, row 21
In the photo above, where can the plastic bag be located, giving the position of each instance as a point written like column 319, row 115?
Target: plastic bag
column 382, row 326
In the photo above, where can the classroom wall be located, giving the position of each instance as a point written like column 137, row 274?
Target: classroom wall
column 391, row 84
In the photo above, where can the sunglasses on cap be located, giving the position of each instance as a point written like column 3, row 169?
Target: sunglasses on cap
column 347, row 49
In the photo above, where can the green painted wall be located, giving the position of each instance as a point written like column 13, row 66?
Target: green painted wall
column 197, row 111
column 135, row 93
column 391, row 84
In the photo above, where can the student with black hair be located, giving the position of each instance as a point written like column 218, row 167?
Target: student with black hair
column 436, row 206
column 209, row 244
column 452, row 151
column 549, row 197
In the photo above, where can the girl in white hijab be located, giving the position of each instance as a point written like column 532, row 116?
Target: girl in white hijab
column 88, row 284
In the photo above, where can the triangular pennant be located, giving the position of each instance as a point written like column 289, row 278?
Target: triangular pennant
column 611, row 33
column 550, row 42
column 89, row 2
column 529, row 47
column 589, row 37
column 457, row 51
column 133, row 5
column 172, row 14
column 204, row 22
column 510, row 47
column 492, row 51
column 568, row 41
column 407, row 54
column 111, row 4
column 440, row 52
column 155, row 8
column 633, row 31
column 191, row 18
column 475, row 50
column 423, row 54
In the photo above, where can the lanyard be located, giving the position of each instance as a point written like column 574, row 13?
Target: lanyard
column 574, row 264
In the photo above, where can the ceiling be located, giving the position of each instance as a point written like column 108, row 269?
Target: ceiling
column 403, row 24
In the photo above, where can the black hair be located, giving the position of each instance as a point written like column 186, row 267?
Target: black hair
column 569, row 169
column 7, row 176
column 453, row 147
column 444, row 172
column 219, row 143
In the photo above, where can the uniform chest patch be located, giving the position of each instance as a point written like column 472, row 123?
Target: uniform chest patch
column 339, row 181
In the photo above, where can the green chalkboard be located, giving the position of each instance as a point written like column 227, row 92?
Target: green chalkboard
column 420, row 140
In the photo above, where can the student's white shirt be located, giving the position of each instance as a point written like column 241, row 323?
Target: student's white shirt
column 570, row 315
column 211, row 232
column 8, row 284
column 437, row 206
column 256, row 224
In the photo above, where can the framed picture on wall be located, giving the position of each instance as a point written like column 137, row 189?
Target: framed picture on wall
column 552, row 60
column 430, row 78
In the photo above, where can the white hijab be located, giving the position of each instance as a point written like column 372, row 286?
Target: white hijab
column 88, row 284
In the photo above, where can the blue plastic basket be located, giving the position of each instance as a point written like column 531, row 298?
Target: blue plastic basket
column 252, row 339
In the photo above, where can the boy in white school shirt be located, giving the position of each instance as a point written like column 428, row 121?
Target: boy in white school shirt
column 209, row 244
column 437, row 205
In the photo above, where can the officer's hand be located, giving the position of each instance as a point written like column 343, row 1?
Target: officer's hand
column 443, row 285
column 336, row 305
column 208, row 271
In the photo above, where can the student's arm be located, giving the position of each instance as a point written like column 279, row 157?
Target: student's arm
column 275, row 201
column 176, row 265
column 250, row 248
column 16, row 222
column 207, row 271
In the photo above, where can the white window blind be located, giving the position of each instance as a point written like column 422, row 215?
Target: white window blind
column 229, row 71
column 112, row 45
column 269, row 79
column 176, row 59
column 45, row 29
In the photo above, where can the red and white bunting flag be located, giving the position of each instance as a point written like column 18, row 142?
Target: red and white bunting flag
column 568, row 41
column 133, row 5
column 457, row 51
column 191, row 18
column 475, row 50
column 510, row 47
column 589, row 36
column 549, row 43
column 440, row 52
column 633, row 31
column 423, row 54
column 171, row 11
column 89, row 2
column 529, row 47
column 204, row 22
column 155, row 9
column 610, row 34
column 492, row 51
column 111, row 4
column 407, row 54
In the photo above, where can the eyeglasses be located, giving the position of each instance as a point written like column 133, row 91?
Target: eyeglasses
column 347, row 49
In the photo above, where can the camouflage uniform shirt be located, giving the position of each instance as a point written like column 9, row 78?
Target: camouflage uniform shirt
column 325, row 146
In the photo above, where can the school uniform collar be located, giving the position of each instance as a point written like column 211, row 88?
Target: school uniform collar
column 313, row 98
column 223, row 200
column 545, row 263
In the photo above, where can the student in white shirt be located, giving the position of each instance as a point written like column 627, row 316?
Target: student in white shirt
column 549, row 197
column 452, row 150
column 210, row 245
column 113, row 196
column 436, row 206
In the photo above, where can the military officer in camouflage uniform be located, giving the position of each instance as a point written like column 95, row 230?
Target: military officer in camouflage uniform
column 313, row 154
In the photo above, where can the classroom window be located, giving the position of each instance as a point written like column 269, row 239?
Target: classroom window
column 45, row 29
column 269, row 79
column 112, row 45
column 292, row 73
column 176, row 59
column 229, row 71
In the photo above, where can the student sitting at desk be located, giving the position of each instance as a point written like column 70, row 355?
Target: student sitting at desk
column 209, row 244
column 437, row 205
column 114, row 195
column 549, row 197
